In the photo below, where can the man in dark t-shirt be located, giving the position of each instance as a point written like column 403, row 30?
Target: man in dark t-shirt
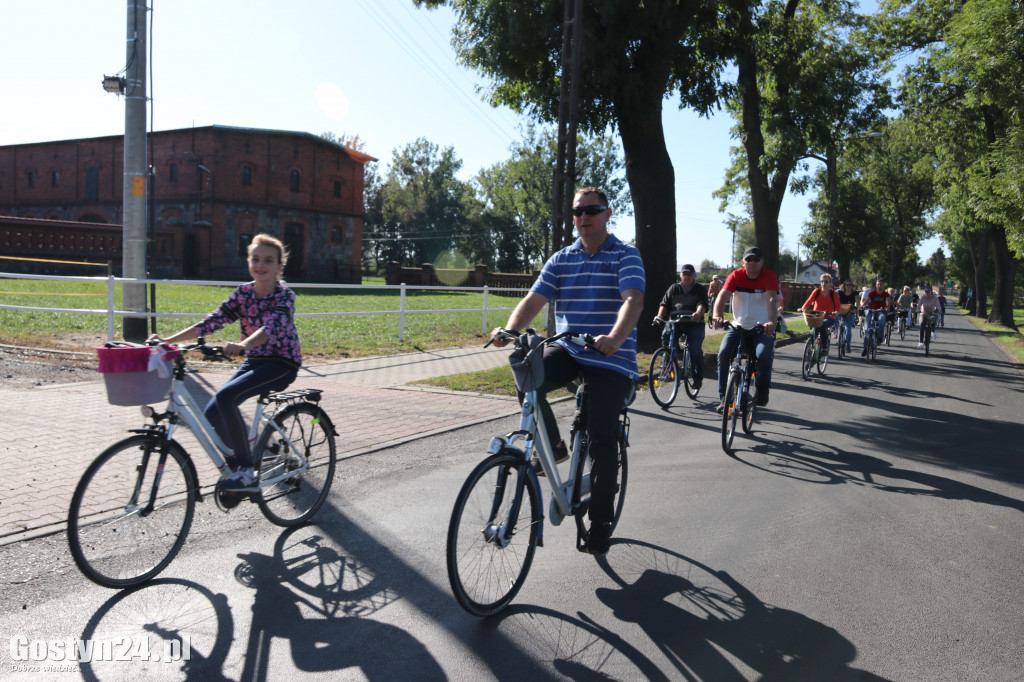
column 687, row 299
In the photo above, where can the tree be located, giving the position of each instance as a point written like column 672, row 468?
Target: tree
column 516, row 194
column 634, row 56
column 345, row 140
column 936, row 266
column 965, row 92
column 418, row 212
column 804, row 84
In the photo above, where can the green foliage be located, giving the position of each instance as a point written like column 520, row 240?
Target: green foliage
column 516, row 197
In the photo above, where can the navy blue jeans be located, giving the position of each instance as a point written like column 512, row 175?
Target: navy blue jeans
column 253, row 377
column 606, row 396
column 694, row 333
column 764, row 350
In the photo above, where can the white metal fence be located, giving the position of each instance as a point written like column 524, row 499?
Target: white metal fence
column 111, row 312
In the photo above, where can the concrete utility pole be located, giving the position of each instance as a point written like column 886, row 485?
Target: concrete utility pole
column 133, row 216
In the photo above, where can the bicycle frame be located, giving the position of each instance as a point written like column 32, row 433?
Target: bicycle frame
column 182, row 407
column 533, row 431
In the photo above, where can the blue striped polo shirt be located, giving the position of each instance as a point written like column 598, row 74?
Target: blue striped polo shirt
column 587, row 293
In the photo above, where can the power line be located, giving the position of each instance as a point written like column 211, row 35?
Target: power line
column 383, row 17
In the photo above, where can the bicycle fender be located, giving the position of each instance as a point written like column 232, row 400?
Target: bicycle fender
column 534, row 481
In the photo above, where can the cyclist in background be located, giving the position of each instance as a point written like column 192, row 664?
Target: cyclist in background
column 848, row 296
column 927, row 305
column 942, row 310
column 687, row 299
column 878, row 302
column 714, row 288
column 823, row 299
column 905, row 305
column 756, row 293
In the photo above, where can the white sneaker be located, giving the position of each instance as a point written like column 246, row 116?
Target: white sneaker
column 242, row 478
column 920, row 346
column 934, row 336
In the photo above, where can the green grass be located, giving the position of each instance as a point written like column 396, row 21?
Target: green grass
column 1010, row 339
column 320, row 336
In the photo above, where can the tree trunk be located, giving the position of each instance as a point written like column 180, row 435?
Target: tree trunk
column 651, row 181
column 1006, row 278
column 978, row 243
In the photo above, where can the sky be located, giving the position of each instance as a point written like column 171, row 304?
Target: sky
column 380, row 69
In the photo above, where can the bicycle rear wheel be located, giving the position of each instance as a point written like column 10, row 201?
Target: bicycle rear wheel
column 490, row 543
column 808, row 359
column 581, row 484
column 688, row 376
column 731, row 413
column 293, row 500
column 750, row 410
column 115, row 539
column 664, row 377
column 822, row 360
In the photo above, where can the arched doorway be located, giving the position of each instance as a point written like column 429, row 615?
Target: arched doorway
column 295, row 242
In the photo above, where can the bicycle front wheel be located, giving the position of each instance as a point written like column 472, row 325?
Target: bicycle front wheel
column 305, row 434
column 808, row 359
column 822, row 360
column 492, row 534
column 120, row 532
column 731, row 413
column 689, row 377
column 842, row 340
column 748, row 412
column 903, row 330
column 664, row 377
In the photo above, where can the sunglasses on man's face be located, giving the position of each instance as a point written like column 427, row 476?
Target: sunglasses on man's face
column 751, row 259
column 589, row 210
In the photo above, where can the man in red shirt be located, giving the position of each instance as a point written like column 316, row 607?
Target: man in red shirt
column 755, row 293
column 877, row 301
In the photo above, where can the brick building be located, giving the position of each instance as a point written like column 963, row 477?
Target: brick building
column 215, row 187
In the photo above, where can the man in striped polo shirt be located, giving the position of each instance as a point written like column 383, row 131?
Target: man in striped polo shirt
column 754, row 290
column 597, row 286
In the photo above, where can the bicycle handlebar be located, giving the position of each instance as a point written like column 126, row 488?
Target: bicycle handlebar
column 581, row 339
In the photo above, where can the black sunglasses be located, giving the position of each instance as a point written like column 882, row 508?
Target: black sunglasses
column 751, row 259
column 589, row 210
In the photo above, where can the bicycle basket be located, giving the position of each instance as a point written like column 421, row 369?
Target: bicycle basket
column 814, row 318
column 527, row 366
column 136, row 375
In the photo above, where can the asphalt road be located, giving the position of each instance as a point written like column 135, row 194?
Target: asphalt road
column 869, row 530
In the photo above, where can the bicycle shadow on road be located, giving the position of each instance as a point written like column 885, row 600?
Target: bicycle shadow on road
column 310, row 574
column 693, row 614
column 811, row 461
column 906, row 429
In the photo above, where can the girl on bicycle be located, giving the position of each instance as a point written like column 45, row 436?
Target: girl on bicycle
column 265, row 310
column 823, row 299
column 848, row 298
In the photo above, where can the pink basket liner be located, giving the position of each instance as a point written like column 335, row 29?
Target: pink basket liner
column 131, row 359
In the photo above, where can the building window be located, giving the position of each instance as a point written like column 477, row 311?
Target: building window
column 31, row 178
column 294, row 184
column 92, row 183
column 243, row 244
column 337, row 188
column 55, row 177
column 246, row 175
column 172, row 173
column 337, row 234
